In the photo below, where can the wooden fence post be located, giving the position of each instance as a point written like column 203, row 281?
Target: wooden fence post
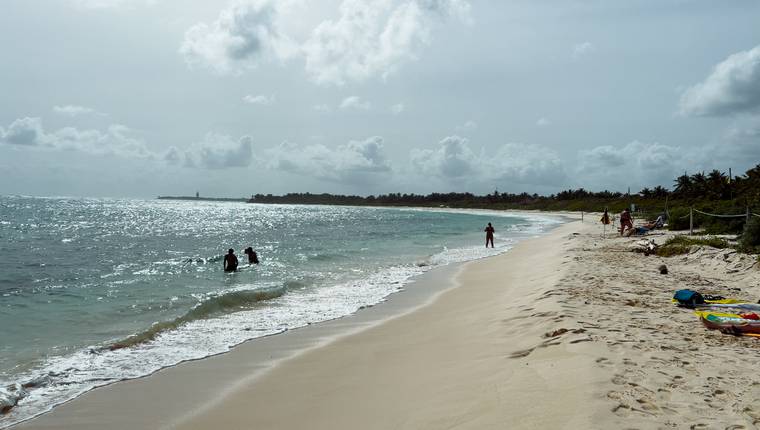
column 691, row 221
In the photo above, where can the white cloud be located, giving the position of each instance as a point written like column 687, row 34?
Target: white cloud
column 543, row 122
column 354, row 103
column 114, row 140
column 582, row 49
column 371, row 39
column 733, row 87
column 216, row 151
column 511, row 163
column 636, row 164
column 398, row 108
column 241, row 36
column 74, row 110
column 259, row 99
column 357, row 161
column 452, row 159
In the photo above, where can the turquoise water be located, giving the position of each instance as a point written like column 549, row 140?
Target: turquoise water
column 98, row 290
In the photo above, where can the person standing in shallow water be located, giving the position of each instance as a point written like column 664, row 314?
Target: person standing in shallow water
column 230, row 261
column 489, row 234
column 253, row 258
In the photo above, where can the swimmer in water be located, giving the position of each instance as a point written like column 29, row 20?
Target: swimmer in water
column 230, row 261
column 253, row 258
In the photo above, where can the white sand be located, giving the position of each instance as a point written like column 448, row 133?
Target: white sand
column 565, row 331
column 476, row 358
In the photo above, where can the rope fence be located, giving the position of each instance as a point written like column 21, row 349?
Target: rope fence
column 746, row 215
column 720, row 216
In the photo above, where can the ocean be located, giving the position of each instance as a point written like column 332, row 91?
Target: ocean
column 94, row 291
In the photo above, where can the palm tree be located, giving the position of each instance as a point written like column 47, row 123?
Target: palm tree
column 684, row 186
column 659, row 191
column 717, row 185
column 699, row 184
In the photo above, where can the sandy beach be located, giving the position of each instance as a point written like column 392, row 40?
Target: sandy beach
column 568, row 330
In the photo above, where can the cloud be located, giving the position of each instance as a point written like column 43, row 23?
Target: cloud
column 542, row 122
column 371, row 39
column 511, row 163
column 733, row 87
column 356, row 161
column 605, row 156
column 242, row 35
column 24, row 131
column 397, row 109
column 354, row 103
column 74, row 110
column 322, row 108
column 452, row 159
column 216, row 151
column 527, row 164
column 582, row 49
column 259, row 100
column 114, row 140
column 635, row 164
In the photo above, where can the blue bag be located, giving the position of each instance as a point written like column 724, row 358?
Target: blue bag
column 688, row 298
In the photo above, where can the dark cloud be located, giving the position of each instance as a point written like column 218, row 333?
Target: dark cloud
column 23, row 131
column 220, row 152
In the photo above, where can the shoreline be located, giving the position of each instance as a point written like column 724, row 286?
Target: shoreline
column 202, row 377
column 571, row 329
column 264, row 353
column 100, row 383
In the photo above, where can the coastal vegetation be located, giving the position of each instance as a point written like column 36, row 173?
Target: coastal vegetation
column 680, row 244
column 714, row 192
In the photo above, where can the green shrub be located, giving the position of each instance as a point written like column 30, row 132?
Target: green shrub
column 678, row 245
column 750, row 238
column 679, row 219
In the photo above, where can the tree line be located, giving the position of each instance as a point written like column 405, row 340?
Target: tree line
column 713, row 192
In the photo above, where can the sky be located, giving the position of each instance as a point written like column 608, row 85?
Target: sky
column 138, row 98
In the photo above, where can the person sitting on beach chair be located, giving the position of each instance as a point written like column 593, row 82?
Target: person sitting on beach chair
column 658, row 223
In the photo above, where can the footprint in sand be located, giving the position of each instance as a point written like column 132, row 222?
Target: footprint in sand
column 603, row 362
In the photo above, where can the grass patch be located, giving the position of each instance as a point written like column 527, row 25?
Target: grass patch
column 679, row 245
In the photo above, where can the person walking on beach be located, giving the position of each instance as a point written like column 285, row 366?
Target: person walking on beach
column 230, row 261
column 626, row 221
column 489, row 234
